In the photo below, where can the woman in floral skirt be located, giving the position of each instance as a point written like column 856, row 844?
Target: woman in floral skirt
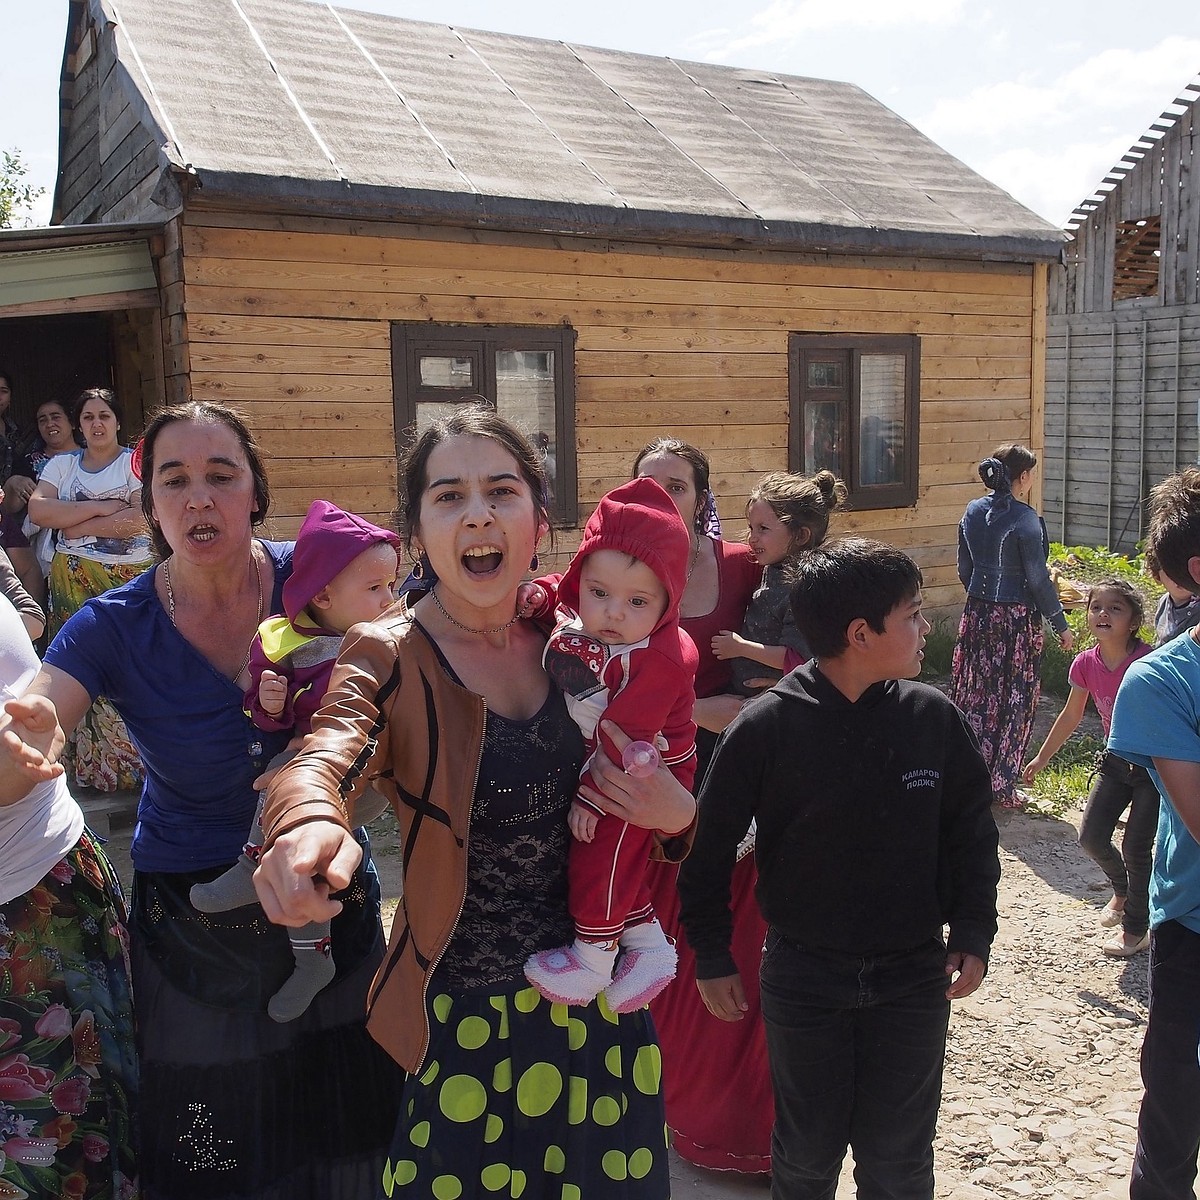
column 68, row 1072
column 1002, row 550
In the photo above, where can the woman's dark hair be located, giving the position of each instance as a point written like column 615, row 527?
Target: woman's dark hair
column 802, row 502
column 200, row 412
column 104, row 395
column 1016, row 460
column 474, row 418
column 695, row 458
column 6, row 375
column 848, row 579
column 1128, row 593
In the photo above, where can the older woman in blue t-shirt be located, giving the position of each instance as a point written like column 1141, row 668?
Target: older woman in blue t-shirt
column 231, row 1100
column 1002, row 550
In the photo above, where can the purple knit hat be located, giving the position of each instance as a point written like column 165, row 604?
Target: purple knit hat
column 328, row 542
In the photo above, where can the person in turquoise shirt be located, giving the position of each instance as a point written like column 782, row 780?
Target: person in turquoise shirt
column 1156, row 723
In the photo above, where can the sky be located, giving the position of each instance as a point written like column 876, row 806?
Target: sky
column 1040, row 96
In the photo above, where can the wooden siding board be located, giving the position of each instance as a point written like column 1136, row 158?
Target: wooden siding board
column 343, row 242
column 309, row 362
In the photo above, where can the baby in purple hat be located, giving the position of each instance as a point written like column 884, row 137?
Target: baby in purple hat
column 343, row 573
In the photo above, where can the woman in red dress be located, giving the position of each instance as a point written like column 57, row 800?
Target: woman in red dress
column 713, row 1124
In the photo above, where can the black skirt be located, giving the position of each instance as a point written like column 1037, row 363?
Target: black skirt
column 235, row 1104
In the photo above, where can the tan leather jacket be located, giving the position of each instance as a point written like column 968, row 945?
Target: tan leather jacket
column 395, row 717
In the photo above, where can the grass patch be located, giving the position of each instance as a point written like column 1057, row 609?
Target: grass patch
column 1064, row 783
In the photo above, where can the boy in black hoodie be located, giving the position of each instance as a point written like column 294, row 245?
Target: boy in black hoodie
column 873, row 807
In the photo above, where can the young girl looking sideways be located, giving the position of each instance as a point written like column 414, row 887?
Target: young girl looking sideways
column 786, row 515
column 1114, row 616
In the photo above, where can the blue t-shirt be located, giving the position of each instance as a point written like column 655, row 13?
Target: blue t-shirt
column 200, row 749
column 1157, row 715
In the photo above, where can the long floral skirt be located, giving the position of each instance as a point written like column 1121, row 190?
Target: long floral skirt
column 99, row 752
column 522, row 1097
column 68, row 1071
column 995, row 682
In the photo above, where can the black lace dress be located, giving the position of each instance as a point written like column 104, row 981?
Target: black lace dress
column 518, row 1096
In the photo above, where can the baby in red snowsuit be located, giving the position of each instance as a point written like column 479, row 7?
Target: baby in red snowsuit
column 618, row 654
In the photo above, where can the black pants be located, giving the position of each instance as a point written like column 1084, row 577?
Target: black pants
column 1164, row 1163
column 856, row 1047
column 1121, row 785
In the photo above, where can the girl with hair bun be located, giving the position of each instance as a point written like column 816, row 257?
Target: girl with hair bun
column 1002, row 551
column 786, row 515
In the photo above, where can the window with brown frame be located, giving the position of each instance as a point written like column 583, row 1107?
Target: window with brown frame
column 855, row 404
column 528, row 373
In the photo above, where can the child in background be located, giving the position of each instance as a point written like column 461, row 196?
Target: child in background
column 875, row 830
column 1178, row 610
column 618, row 655
column 786, row 515
column 1115, row 610
column 344, row 572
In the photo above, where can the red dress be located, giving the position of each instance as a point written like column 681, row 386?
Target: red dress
column 716, row 1083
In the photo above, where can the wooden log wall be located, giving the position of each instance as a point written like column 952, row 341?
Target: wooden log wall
column 112, row 164
column 292, row 324
column 1121, row 414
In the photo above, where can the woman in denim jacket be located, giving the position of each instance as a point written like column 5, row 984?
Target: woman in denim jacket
column 1002, row 549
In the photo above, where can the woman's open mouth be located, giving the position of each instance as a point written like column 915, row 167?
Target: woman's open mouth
column 202, row 533
column 483, row 560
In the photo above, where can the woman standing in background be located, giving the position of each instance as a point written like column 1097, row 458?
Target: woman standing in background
column 1002, row 551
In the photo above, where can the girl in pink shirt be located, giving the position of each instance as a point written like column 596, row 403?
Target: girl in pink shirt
column 1115, row 610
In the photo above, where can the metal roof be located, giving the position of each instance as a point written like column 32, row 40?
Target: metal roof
column 303, row 105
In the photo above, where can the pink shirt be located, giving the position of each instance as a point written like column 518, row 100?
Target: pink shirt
column 1089, row 672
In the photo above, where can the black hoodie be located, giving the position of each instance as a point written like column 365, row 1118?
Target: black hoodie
column 874, row 823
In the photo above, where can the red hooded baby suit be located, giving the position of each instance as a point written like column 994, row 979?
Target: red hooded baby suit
column 646, row 689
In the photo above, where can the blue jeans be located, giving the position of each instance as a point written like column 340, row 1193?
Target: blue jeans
column 856, row 1047
column 1164, row 1162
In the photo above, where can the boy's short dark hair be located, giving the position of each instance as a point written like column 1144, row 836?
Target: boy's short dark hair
column 1174, row 536
column 844, row 580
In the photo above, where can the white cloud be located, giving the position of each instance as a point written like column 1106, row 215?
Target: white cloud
column 1054, row 183
column 1050, row 138
column 789, row 20
column 1111, row 81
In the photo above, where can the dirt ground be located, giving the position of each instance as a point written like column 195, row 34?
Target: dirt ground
column 1041, row 1085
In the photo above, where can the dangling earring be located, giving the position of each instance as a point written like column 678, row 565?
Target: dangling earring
column 534, row 563
column 418, row 568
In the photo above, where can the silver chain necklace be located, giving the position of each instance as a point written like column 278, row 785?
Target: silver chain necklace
column 257, row 579
column 467, row 628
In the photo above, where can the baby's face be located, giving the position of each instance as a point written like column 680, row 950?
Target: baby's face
column 361, row 591
column 620, row 599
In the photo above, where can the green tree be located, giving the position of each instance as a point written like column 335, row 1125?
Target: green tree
column 17, row 197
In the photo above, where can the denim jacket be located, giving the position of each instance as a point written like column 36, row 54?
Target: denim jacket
column 1005, row 562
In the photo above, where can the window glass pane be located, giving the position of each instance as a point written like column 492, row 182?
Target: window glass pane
column 881, row 419
column 823, row 436
column 438, row 371
column 536, row 364
column 525, row 395
column 824, row 374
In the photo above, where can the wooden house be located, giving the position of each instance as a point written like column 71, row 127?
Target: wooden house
column 1123, row 340
column 357, row 219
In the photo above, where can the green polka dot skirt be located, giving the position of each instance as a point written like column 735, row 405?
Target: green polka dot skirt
column 523, row 1098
